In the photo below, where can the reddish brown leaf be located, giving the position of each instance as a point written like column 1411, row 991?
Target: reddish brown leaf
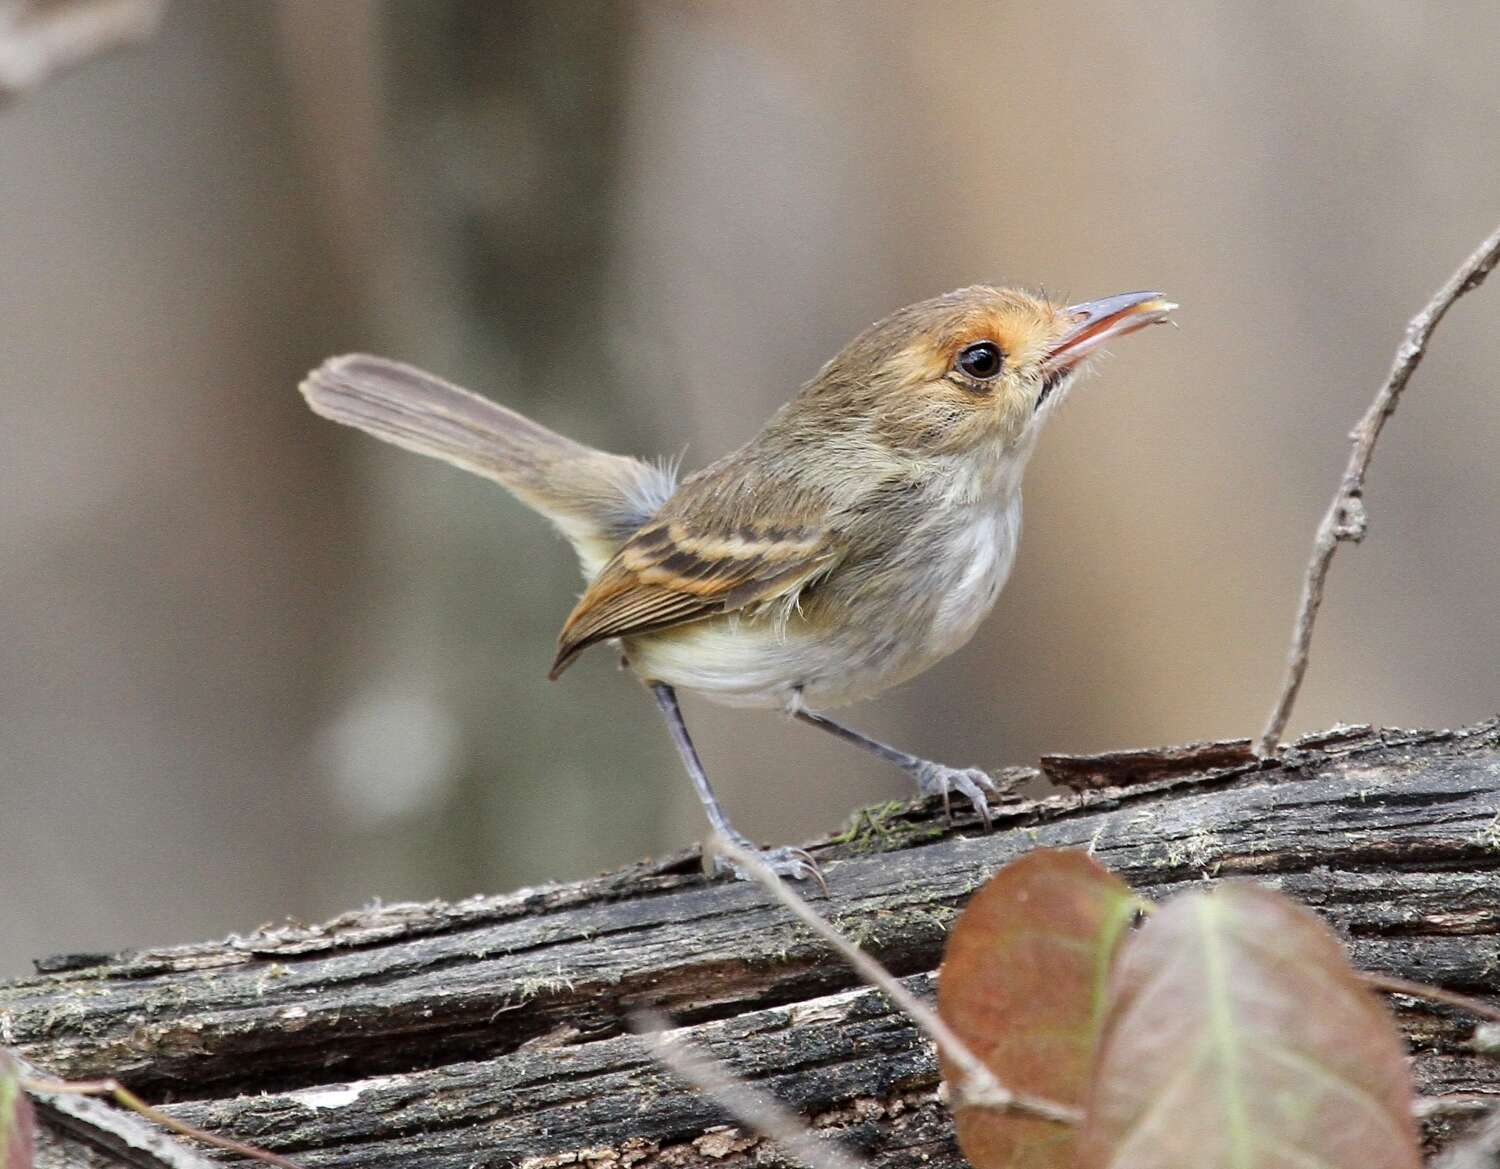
column 1238, row 1037
column 16, row 1132
column 1023, row 982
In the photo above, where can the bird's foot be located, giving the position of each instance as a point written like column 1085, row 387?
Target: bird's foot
column 794, row 863
column 934, row 779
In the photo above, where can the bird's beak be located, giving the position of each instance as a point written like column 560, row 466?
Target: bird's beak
column 1096, row 322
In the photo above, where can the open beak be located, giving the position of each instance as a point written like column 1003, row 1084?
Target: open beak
column 1097, row 322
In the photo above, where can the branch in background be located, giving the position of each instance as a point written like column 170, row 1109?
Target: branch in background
column 40, row 37
column 979, row 1088
column 1346, row 519
column 753, row 1109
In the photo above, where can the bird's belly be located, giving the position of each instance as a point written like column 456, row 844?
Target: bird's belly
column 752, row 663
column 923, row 613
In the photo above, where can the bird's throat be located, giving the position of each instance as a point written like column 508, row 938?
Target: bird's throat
column 1052, row 382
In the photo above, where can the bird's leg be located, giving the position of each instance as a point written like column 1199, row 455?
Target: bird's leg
column 789, row 862
column 933, row 779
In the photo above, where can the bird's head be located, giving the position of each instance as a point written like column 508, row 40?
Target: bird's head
column 976, row 369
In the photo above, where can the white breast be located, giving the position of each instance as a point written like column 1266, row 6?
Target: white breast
column 954, row 562
column 982, row 555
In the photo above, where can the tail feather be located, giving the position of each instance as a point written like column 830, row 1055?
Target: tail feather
column 596, row 499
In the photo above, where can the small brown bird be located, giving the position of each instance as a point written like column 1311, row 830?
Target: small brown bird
column 857, row 540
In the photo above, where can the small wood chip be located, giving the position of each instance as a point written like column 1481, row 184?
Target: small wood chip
column 1341, row 733
column 1147, row 765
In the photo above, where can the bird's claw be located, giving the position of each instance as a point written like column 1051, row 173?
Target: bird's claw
column 796, row 864
column 934, row 779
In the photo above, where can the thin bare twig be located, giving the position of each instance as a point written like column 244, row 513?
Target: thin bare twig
column 1390, row 984
column 123, row 1096
column 101, row 1125
column 1345, row 518
column 755, row 1110
column 978, row 1087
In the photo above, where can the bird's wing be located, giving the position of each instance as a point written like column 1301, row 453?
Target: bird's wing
column 673, row 571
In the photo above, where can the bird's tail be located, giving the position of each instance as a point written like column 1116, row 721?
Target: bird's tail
column 595, row 499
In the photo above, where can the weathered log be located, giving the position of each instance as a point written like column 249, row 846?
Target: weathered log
column 495, row 1031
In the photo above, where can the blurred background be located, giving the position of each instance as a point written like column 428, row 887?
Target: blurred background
column 255, row 665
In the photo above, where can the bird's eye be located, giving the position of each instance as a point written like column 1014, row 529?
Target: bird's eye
column 982, row 360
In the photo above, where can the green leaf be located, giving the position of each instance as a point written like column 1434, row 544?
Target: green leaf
column 1238, row 1037
column 16, row 1132
column 1023, row 984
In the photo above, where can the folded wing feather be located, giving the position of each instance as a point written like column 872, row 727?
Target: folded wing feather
column 669, row 574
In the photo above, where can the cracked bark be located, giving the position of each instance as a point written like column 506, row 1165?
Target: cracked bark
column 492, row 1031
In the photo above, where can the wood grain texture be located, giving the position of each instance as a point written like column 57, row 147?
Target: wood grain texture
column 495, row 1031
